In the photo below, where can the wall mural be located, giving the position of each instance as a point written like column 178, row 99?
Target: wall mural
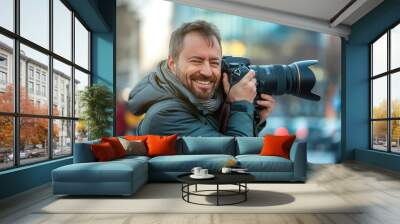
column 142, row 42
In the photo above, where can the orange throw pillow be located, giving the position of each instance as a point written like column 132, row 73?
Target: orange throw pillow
column 277, row 145
column 103, row 152
column 161, row 145
column 135, row 138
column 116, row 145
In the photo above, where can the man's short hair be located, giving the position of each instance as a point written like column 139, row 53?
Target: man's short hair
column 205, row 28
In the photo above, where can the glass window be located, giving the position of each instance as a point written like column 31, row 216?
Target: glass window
column 35, row 21
column 379, row 56
column 395, row 95
column 382, row 138
column 6, row 142
column 7, row 14
column 62, row 72
column 33, row 140
column 62, row 29
column 379, row 98
column 30, row 71
column 395, row 136
column 81, row 45
column 379, row 135
column 62, row 137
column 34, row 79
column 6, row 73
column 40, row 62
column 30, row 87
column 81, row 81
column 81, row 131
column 395, row 47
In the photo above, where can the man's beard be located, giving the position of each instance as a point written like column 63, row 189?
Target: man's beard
column 191, row 84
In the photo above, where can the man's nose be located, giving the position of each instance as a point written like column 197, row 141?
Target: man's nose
column 206, row 69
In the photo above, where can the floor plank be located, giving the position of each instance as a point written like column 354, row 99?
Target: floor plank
column 376, row 190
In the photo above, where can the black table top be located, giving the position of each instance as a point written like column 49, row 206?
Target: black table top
column 220, row 178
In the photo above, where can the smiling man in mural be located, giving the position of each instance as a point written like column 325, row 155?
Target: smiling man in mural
column 188, row 95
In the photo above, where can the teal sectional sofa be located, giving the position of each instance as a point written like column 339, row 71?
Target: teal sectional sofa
column 125, row 176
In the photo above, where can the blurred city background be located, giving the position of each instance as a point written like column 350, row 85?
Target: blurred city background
column 143, row 32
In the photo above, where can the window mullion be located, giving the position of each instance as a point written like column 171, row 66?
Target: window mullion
column 50, row 81
column 73, row 83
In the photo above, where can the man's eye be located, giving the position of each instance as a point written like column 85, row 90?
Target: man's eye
column 196, row 61
column 215, row 63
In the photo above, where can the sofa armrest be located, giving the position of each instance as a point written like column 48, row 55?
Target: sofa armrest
column 83, row 152
column 298, row 155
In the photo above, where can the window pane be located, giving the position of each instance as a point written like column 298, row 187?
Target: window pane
column 35, row 21
column 62, row 137
column 62, row 29
column 395, row 135
column 33, row 139
column 395, row 94
column 6, row 74
column 6, row 142
column 81, row 81
column 379, row 55
column 395, row 47
column 7, row 14
column 81, row 45
column 379, row 135
column 34, row 97
column 379, row 100
column 81, row 131
column 62, row 89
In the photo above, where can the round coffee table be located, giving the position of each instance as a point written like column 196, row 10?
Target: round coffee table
column 238, row 179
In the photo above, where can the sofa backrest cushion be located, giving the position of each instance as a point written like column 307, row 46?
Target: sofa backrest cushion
column 249, row 145
column 83, row 153
column 206, row 145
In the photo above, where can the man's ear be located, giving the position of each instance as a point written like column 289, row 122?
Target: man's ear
column 171, row 64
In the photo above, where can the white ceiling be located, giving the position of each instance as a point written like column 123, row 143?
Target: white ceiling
column 316, row 15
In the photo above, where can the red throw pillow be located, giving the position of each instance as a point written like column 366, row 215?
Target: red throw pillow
column 116, row 145
column 134, row 137
column 161, row 145
column 277, row 145
column 103, row 152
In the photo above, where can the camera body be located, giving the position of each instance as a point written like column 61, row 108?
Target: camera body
column 296, row 79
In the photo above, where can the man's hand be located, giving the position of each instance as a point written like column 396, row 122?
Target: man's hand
column 245, row 89
column 267, row 104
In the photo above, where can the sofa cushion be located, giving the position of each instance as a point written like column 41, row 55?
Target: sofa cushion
column 111, row 171
column 103, row 152
column 161, row 145
column 206, row 145
column 277, row 145
column 248, row 145
column 116, row 145
column 257, row 163
column 185, row 163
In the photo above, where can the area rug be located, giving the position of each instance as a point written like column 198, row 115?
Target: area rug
column 167, row 198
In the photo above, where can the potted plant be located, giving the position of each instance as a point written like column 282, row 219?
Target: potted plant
column 96, row 103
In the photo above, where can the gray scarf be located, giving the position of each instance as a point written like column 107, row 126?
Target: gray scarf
column 179, row 90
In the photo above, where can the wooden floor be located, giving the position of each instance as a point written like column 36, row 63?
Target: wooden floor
column 377, row 188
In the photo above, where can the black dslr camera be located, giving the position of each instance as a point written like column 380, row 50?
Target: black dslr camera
column 296, row 78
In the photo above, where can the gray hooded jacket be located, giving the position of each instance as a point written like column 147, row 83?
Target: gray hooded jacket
column 171, row 109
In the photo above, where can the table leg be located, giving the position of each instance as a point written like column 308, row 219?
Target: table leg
column 217, row 194
column 196, row 188
column 245, row 191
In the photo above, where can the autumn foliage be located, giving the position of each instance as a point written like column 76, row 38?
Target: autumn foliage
column 33, row 130
column 380, row 127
